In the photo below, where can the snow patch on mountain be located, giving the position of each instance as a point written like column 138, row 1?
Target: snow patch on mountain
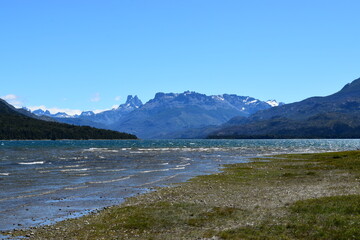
column 273, row 103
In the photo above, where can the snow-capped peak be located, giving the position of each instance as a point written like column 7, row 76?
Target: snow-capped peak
column 273, row 103
column 87, row 113
column 61, row 115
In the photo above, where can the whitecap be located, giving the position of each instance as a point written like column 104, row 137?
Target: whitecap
column 178, row 168
column 99, row 150
column 112, row 170
column 74, row 170
column 183, row 165
column 31, row 163
column 4, row 174
column 70, row 166
column 157, row 170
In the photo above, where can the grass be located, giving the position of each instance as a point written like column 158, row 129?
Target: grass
column 147, row 221
column 302, row 196
column 335, row 217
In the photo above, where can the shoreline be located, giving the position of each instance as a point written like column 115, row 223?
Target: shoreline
column 243, row 198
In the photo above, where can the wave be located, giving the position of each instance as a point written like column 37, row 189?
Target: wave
column 31, row 163
column 157, row 170
column 112, row 170
column 31, row 195
column 113, row 180
column 75, row 188
column 178, row 168
column 183, row 165
column 74, row 170
column 159, row 180
column 70, row 166
column 100, row 150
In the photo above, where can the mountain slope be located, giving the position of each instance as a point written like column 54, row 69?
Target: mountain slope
column 170, row 115
column 346, row 101
column 15, row 125
column 334, row 116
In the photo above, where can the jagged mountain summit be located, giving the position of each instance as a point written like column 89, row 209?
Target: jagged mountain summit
column 168, row 114
column 131, row 103
column 40, row 113
column 333, row 116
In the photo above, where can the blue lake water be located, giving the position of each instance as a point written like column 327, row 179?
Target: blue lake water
column 46, row 181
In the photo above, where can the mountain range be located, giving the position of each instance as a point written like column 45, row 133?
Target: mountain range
column 334, row 116
column 195, row 115
column 168, row 115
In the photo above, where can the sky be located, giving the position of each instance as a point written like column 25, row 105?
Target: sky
column 89, row 55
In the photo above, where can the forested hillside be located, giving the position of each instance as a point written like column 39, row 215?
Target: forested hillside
column 15, row 125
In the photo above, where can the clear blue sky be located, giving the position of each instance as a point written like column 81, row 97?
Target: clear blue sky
column 89, row 55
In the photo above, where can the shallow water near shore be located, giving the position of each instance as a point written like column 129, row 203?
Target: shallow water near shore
column 43, row 182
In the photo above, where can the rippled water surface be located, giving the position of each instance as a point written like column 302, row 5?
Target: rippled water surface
column 46, row 181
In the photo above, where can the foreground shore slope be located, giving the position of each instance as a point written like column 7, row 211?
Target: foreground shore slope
column 303, row 196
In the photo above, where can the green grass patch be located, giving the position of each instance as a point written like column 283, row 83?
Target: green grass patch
column 342, row 160
column 148, row 221
column 335, row 217
column 215, row 214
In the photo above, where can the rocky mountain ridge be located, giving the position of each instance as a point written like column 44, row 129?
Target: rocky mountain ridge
column 167, row 113
column 333, row 116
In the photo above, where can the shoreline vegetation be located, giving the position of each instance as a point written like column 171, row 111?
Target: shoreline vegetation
column 295, row 196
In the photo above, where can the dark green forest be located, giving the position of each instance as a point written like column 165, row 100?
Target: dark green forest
column 15, row 125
